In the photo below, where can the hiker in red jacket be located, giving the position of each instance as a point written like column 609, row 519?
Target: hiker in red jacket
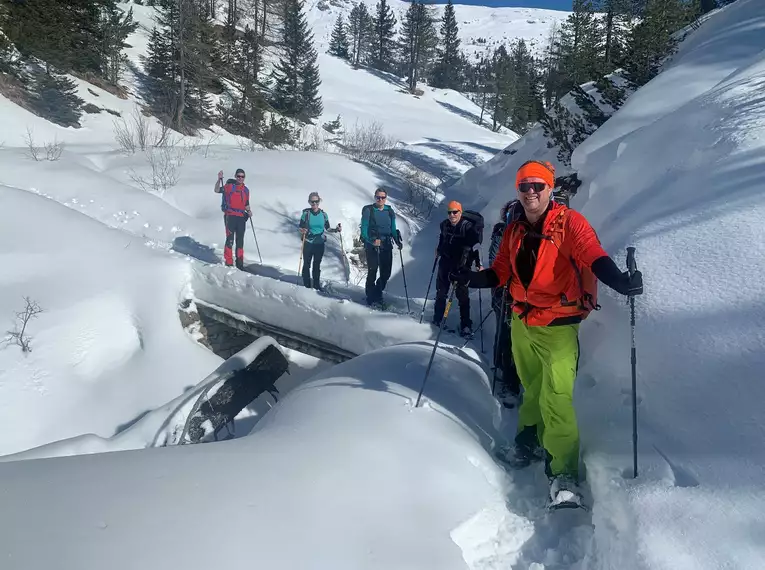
column 551, row 260
column 236, row 207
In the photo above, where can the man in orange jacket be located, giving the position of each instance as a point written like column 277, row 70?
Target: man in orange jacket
column 550, row 259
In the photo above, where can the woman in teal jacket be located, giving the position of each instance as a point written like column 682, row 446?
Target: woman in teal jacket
column 313, row 223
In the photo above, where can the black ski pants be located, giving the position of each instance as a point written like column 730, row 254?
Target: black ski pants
column 503, row 350
column 378, row 258
column 312, row 254
column 235, row 228
column 446, row 266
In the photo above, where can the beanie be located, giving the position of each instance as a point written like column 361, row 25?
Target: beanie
column 454, row 205
column 239, row 171
column 542, row 171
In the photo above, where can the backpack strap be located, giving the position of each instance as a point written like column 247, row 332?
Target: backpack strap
column 559, row 229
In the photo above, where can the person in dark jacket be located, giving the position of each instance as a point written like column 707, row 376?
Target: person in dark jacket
column 378, row 232
column 313, row 223
column 457, row 247
column 236, row 208
column 509, row 389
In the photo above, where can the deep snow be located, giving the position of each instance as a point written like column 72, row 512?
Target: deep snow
column 342, row 473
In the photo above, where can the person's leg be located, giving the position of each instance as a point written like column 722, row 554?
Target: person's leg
column 559, row 350
column 228, row 254
column 442, row 291
column 373, row 262
column 318, row 253
column 529, row 365
column 241, row 227
column 308, row 253
column 386, row 264
column 463, row 297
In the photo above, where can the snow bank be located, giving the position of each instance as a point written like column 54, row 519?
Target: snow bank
column 342, row 473
column 162, row 426
column 108, row 345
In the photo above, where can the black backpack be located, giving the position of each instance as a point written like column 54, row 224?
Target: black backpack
column 477, row 220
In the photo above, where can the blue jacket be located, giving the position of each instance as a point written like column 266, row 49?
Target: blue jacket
column 316, row 224
column 378, row 224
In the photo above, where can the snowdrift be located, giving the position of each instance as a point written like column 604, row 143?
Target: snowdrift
column 101, row 350
column 342, row 473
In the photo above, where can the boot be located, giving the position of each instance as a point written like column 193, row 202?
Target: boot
column 506, row 396
column 564, row 492
column 525, row 450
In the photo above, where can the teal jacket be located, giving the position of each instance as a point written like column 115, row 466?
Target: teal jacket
column 316, row 224
column 378, row 224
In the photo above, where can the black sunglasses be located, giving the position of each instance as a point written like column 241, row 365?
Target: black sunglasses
column 528, row 186
column 313, row 201
column 238, row 176
column 453, row 212
column 378, row 198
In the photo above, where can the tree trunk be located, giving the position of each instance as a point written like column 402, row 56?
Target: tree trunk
column 609, row 38
column 182, row 63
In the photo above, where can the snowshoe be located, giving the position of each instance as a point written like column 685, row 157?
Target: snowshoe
column 507, row 397
column 520, row 456
column 564, row 494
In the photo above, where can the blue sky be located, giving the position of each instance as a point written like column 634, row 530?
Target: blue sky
column 550, row 4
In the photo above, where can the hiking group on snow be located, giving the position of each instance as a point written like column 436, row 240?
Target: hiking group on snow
column 545, row 260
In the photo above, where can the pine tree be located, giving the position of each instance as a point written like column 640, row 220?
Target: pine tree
column 578, row 47
column 117, row 25
column 383, row 44
column 360, row 31
column 447, row 70
column 418, row 42
column 527, row 102
column 312, row 106
column 56, row 99
column 297, row 73
column 651, row 40
column 179, row 64
column 244, row 116
column 338, row 43
column 614, row 27
column 502, row 98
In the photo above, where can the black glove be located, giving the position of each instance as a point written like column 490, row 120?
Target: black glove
column 460, row 276
column 246, row 216
column 632, row 285
column 398, row 240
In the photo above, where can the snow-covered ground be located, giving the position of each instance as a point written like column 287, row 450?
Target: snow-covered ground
column 344, row 472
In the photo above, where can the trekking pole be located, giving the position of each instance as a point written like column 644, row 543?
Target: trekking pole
column 480, row 327
column 346, row 263
column 433, row 272
column 403, row 274
column 497, row 334
column 480, row 310
column 300, row 261
column 631, row 268
column 452, row 289
column 256, row 241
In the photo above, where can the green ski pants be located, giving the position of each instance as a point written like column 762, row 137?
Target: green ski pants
column 546, row 359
